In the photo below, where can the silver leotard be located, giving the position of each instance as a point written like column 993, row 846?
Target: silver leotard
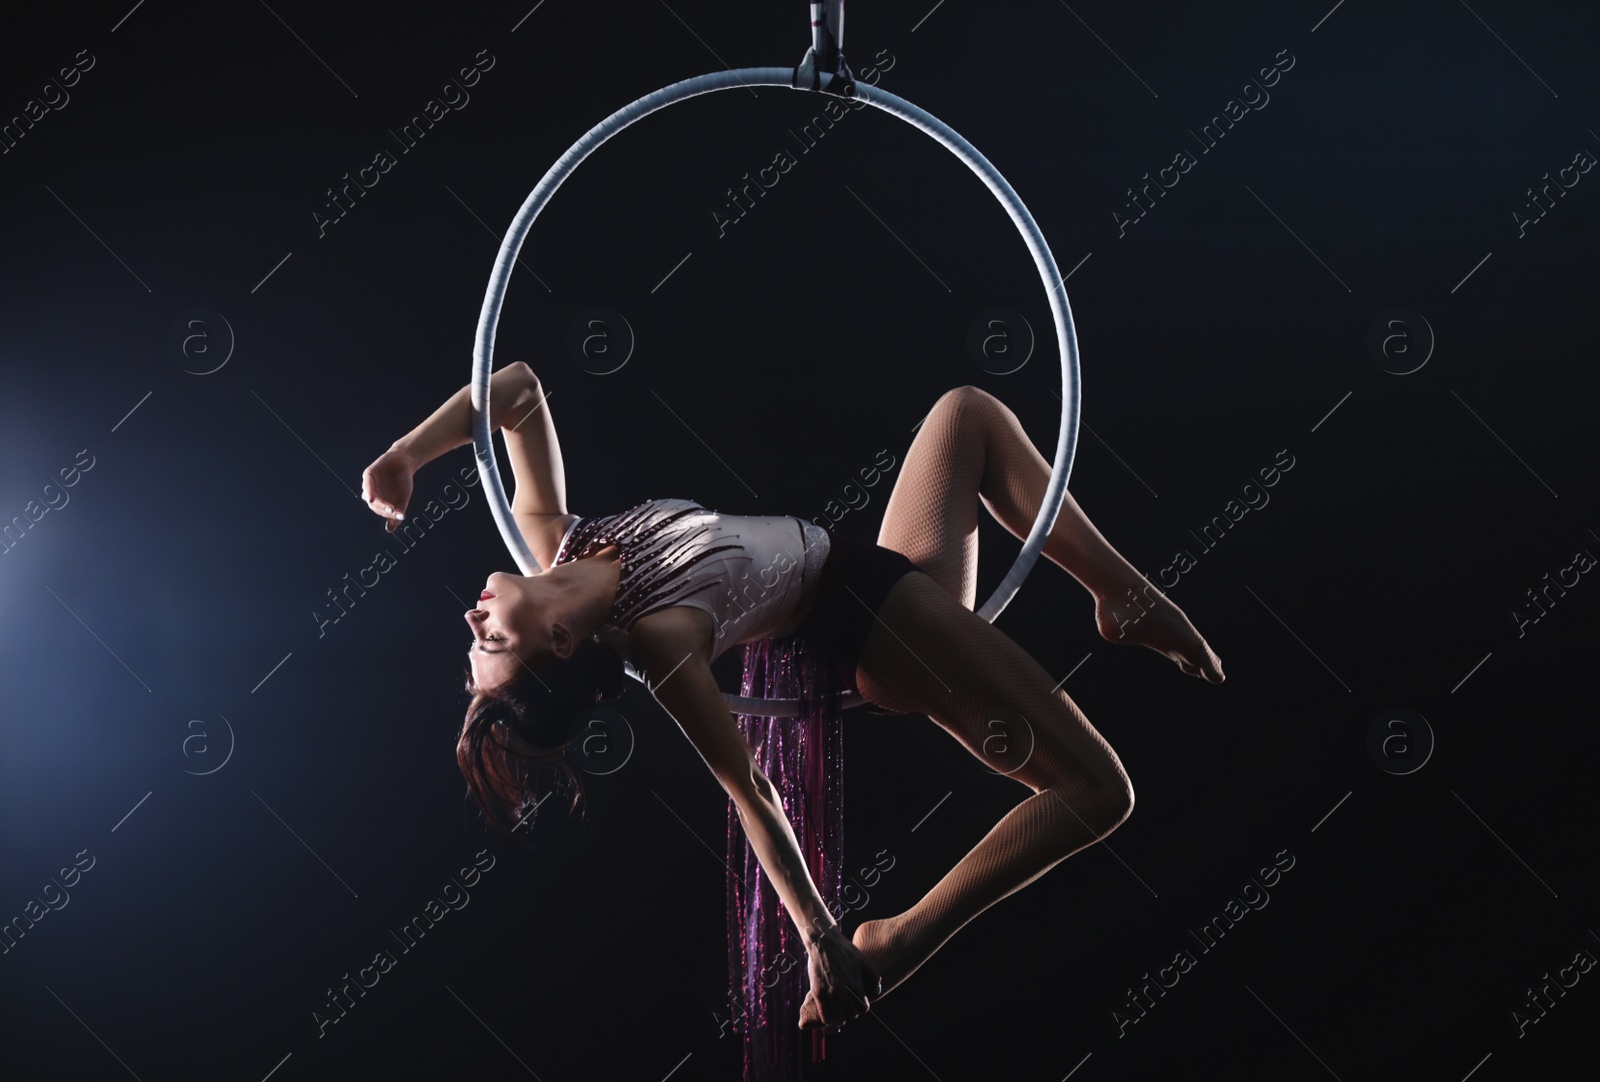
column 752, row 574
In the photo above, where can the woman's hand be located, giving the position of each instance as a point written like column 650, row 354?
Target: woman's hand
column 386, row 485
column 844, row 984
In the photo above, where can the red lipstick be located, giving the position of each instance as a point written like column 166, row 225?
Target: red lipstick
column 486, row 595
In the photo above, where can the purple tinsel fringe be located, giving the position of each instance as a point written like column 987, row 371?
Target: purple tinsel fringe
column 803, row 758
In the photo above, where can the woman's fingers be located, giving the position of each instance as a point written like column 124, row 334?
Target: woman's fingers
column 386, row 487
column 386, row 503
column 818, row 1011
column 844, row 1005
column 391, row 514
column 841, row 992
column 814, row 1015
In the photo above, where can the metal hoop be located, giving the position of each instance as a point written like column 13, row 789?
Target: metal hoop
column 494, row 297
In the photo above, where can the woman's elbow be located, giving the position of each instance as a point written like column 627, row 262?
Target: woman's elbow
column 749, row 785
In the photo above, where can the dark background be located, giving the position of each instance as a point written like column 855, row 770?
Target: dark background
column 195, row 552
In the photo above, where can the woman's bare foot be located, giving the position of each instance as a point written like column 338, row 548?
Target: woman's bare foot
column 878, row 942
column 1142, row 614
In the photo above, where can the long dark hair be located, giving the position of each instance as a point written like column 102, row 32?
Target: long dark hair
column 512, row 732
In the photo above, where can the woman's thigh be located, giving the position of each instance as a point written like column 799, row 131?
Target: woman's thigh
column 928, row 654
column 932, row 512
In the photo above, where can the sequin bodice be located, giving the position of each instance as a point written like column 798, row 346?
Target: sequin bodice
column 751, row 573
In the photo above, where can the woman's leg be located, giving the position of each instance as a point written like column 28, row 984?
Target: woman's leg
column 928, row 654
column 970, row 450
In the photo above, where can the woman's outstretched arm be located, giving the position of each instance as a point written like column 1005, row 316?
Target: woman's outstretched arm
column 517, row 407
column 842, row 981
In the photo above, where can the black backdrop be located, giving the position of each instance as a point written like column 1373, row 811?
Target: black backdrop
column 218, row 801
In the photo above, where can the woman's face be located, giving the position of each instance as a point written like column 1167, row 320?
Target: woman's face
column 512, row 626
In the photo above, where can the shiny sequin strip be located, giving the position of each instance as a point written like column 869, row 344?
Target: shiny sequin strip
column 657, row 546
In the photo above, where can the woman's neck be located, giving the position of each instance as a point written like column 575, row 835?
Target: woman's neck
column 592, row 581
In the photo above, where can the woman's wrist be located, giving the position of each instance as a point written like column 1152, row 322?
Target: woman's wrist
column 406, row 453
column 821, row 930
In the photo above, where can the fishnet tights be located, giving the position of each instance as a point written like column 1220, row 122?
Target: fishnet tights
column 971, row 449
column 929, row 653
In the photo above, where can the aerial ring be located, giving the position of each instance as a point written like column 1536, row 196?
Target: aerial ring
column 1044, row 261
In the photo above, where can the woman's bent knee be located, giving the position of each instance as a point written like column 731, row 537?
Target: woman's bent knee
column 1097, row 809
column 965, row 400
column 1113, row 804
column 1122, row 805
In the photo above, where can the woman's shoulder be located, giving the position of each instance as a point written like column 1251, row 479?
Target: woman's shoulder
column 546, row 534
